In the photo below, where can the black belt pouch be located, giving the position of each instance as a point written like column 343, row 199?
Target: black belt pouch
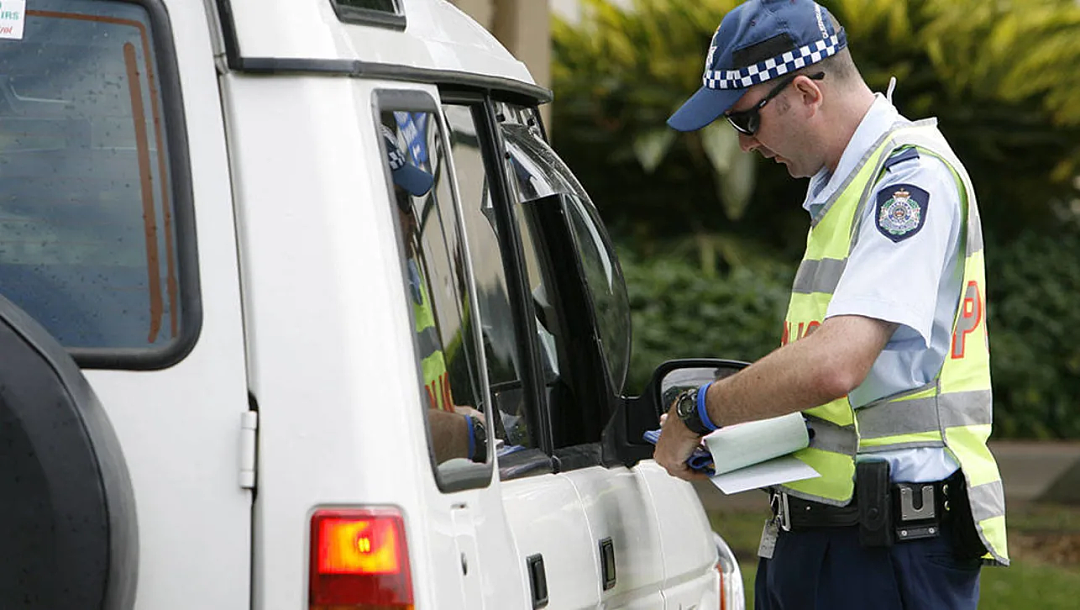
column 873, row 497
column 967, row 544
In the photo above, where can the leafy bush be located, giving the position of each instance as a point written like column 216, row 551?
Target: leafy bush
column 1034, row 325
column 680, row 312
column 1000, row 76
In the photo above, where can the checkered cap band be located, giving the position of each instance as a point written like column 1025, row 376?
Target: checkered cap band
column 776, row 66
column 397, row 159
column 393, row 153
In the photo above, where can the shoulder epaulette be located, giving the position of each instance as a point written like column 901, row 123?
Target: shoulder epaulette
column 905, row 154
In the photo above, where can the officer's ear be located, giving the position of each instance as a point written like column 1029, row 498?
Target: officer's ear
column 809, row 93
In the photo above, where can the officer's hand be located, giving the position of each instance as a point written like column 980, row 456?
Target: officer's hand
column 471, row 412
column 675, row 446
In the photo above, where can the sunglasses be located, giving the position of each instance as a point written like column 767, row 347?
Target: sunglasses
column 749, row 121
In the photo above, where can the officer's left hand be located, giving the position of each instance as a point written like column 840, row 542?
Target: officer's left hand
column 674, row 447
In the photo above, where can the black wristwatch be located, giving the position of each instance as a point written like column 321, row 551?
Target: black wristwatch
column 479, row 433
column 686, row 409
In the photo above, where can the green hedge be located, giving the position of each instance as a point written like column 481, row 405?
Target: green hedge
column 1034, row 324
column 1033, row 317
column 680, row 312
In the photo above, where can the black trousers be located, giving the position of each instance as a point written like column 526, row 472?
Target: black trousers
column 827, row 569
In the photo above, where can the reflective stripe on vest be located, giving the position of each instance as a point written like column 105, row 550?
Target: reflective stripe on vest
column 954, row 411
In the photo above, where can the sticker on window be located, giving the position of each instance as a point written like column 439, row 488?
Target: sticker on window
column 12, row 18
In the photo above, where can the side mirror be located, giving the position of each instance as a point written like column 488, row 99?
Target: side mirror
column 623, row 441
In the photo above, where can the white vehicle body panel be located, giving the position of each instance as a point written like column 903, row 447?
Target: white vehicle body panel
column 684, row 550
column 438, row 37
column 301, row 292
column 538, row 506
column 179, row 427
column 619, row 506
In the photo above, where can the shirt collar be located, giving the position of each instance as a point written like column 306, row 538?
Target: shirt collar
column 878, row 119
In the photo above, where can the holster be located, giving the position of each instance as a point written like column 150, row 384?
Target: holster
column 874, row 501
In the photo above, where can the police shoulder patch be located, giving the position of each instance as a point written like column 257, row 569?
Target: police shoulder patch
column 901, row 211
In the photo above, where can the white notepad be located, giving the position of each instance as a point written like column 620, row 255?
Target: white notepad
column 757, row 454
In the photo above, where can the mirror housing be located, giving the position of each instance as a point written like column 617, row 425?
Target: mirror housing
column 623, row 441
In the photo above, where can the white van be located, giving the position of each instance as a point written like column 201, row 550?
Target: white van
column 219, row 388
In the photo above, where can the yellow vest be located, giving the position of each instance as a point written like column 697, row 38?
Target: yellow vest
column 953, row 411
column 429, row 345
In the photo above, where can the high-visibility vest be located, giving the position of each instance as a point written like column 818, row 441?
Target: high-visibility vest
column 429, row 346
column 953, row 411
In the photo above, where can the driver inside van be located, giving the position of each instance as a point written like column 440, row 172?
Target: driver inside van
column 456, row 431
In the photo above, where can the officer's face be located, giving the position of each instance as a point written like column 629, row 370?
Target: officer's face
column 779, row 135
column 406, row 219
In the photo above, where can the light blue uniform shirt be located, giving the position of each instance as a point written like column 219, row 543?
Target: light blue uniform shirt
column 914, row 282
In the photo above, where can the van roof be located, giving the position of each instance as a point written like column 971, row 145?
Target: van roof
column 309, row 35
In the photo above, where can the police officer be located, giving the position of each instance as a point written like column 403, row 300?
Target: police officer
column 884, row 346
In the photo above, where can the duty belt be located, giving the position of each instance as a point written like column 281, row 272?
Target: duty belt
column 917, row 510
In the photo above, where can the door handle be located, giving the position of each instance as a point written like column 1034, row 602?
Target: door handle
column 607, row 563
column 537, row 580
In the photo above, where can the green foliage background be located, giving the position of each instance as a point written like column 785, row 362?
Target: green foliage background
column 710, row 238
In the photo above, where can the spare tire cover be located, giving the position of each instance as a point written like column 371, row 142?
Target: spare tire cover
column 68, row 530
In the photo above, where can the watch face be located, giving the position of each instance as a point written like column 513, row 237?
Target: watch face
column 686, row 404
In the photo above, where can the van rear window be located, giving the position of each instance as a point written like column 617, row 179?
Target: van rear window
column 88, row 230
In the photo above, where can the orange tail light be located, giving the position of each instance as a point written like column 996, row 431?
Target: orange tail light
column 359, row 561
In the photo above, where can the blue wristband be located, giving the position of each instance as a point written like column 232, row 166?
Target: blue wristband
column 472, row 437
column 703, row 413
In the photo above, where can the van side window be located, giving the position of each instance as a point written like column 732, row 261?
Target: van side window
column 433, row 263
column 578, row 291
column 502, row 345
column 533, row 212
column 88, row 207
column 607, row 288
